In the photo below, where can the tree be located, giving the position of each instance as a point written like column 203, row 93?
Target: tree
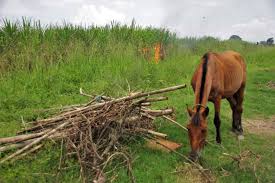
column 263, row 42
column 235, row 37
column 270, row 41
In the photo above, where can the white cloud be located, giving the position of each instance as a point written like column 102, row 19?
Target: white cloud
column 99, row 15
column 124, row 4
column 73, row 1
column 256, row 29
column 13, row 8
column 209, row 4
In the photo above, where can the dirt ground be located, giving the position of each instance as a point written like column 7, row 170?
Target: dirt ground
column 271, row 84
column 260, row 126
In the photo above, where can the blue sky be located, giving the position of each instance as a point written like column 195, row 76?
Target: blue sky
column 253, row 20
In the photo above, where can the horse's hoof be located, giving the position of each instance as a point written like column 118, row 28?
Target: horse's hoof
column 240, row 137
column 237, row 132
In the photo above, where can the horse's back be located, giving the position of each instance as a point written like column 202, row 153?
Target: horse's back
column 233, row 67
column 233, row 63
column 228, row 74
column 232, row 56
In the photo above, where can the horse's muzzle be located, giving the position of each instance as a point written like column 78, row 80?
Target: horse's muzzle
column 194, row 156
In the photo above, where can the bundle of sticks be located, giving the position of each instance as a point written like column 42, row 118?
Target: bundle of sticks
column 93, row 132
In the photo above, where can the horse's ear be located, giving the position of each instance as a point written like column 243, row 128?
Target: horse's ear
column 205, row 112
column 190, row 112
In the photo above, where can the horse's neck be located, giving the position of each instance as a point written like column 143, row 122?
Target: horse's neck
column 206, row 90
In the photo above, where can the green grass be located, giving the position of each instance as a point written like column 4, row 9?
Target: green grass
column 45, row 68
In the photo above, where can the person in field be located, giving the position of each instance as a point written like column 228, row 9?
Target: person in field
column 218, row 76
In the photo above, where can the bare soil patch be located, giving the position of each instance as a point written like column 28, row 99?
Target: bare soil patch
column 260, row 126
column 271, row 84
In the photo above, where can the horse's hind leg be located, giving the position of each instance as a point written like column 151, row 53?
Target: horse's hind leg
column 237, row 113
column 217, row 121
column 233, row 103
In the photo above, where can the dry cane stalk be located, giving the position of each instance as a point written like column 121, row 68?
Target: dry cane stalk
column 158, row 134
column 173, row 121
column 156, row 99
column 148, row 100
column 26, row 142
column 127, row 98
column 21, row 138
column 36, row 141
column 15, row 146
column 158, row 112
column 146, row 104
column 73, row 113
column 28, row 152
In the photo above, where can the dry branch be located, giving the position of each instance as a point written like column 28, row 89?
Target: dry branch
column 173, row 121
column 146, row 104
column 158, row 134
column 28, row 152
column 9, row 147
column 20, row 138
column 157, row 99
column 36, row 141
column 158, row 112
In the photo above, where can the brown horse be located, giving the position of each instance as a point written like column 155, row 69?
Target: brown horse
column 218, row 76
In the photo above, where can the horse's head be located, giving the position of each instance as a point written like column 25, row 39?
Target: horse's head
column 197, row 130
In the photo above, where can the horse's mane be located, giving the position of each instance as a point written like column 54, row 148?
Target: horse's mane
column 203, row 77
column 196, row 117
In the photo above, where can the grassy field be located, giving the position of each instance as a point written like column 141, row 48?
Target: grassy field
column 45, row 67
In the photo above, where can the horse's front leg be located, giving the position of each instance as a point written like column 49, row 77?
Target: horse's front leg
column 217, row 121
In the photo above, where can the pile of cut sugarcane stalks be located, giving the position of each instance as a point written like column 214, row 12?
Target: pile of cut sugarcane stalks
column 93, row 132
